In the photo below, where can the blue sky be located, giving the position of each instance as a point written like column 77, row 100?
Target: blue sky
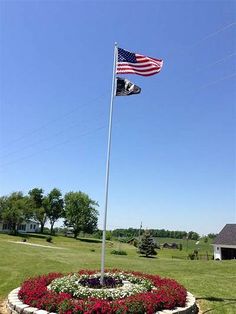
column 173, row 146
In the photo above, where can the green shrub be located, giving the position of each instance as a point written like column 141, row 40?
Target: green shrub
column 49, row 239
column 193, row 255
column 108, row 235
column 118, row 252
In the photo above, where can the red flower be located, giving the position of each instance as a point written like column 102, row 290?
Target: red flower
column 167, row 295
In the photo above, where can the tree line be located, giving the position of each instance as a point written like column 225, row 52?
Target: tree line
column 159, row 233
column 77, row 208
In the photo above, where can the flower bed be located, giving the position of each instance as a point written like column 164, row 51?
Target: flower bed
column 123, row 293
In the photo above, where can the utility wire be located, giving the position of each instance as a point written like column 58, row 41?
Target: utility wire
column 53, row 146
column 58, row 144
column 49, row 122
column 219, row 80
column 213, row 34
column 216, row 62
column 43, row 139
column 191, row 73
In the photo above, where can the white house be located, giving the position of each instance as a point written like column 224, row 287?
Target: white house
column 26, row 226
column 225, row 243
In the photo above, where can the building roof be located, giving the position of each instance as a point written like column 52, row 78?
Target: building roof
column 30, row 221
column 227, row 236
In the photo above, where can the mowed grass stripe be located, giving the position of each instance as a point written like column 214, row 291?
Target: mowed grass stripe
column 212, row 282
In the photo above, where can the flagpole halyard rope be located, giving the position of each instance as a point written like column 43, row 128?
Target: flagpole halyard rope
column 113, row 89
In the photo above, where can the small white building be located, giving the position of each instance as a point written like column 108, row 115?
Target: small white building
column 26, row 226
column 225, row 243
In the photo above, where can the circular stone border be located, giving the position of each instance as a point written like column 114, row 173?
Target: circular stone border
column 15, row 306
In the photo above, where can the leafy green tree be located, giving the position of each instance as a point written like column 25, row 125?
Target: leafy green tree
column 108, row 235
column 80, row 212
column 97, row 234
column 53, row 205
column 37, row 206
column 212, row 235
column 3, row 205
column 147, row 245
column 193, row 235
column 14, row 209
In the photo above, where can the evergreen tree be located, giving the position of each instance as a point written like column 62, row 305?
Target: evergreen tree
column 147, row 245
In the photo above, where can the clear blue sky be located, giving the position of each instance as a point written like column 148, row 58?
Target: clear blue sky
column 173, row 146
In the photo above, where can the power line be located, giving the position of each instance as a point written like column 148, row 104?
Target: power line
column 213, row 34
column 216, row 62
column 49, row 122
column 53, row 146
column 225, row 27
column 219, row 80
column 42, row 140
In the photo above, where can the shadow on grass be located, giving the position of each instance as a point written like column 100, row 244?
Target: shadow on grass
column 227, row 301
column 147, row 256
column 89, row 240
column 32, row 235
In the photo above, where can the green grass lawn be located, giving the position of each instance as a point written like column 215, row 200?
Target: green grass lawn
column 212, row 282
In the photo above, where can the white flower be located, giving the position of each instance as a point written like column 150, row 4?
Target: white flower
column 130, row 285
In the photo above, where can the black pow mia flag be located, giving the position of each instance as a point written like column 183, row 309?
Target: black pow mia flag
column 125, row 88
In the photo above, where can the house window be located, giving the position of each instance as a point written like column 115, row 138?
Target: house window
column 5, row 227
column 22, row 227
column 34, row 227
column 31, row 226
column 217, row 248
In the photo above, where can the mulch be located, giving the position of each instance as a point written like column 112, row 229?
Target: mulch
column 3, row 309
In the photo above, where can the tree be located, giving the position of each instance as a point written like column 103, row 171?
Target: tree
column 53, row 204
column 193, row 235
column 212, row 235
column 108, row 235
column 3, row 205
column 80, row 212
column 38, row 209
column 14, row 209
column 147, row 245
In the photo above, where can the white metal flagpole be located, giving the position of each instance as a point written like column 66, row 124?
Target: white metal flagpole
column 108, row 164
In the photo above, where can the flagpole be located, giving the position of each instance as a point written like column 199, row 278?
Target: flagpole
column 139, row 234
column 108, row 165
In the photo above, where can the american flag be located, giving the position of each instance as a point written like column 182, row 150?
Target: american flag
column 134, row 63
